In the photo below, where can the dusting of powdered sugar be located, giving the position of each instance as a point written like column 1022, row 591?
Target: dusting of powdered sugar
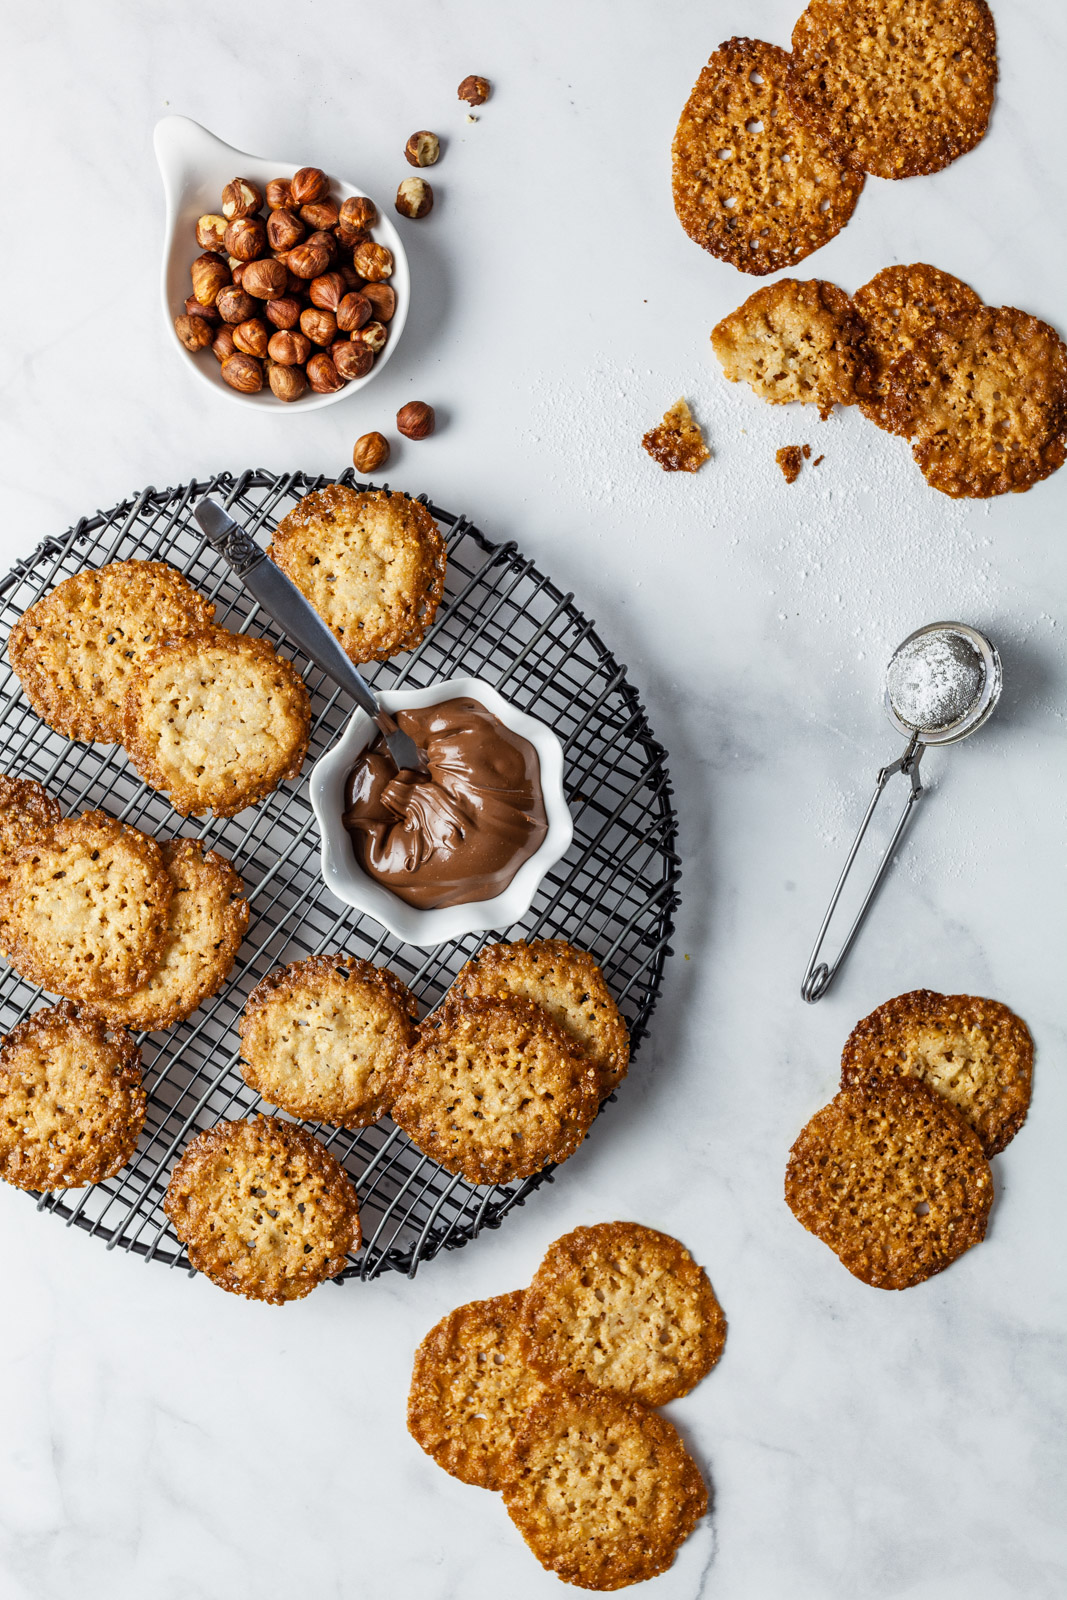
column 934, row 680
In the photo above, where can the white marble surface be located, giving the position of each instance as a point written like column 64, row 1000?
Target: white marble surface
column 160, row 1438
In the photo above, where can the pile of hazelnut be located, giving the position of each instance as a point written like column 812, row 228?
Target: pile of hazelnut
column 297, row 299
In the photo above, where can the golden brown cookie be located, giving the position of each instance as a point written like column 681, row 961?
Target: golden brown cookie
column 622, row 1308
column 892, row 1179
column 326, row 1039
column 796, row 340
column 603, row 1491
column 899, row 87
column 25, row 808
column 75, row 649
column 216, row 721
column 207, row 920
column 471, row 1388
column 565, row 982
column 372, row 564
column 84, row 907
column 71, row 1103
column 898, row 308
column 263, row 1209
column 753, row 184
column 495, row 1090
column 676, row 444
column 983, row 396
column 974, row 1052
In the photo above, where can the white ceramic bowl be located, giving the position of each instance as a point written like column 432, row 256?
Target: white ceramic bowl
column 196, row 167
column 344, row 877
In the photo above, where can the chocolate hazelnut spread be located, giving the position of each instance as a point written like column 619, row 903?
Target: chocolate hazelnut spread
column 461, row 833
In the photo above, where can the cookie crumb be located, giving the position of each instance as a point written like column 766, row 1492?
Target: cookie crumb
column 815, row 463
column 789, row 458
column 677, row 444
column 807, row 451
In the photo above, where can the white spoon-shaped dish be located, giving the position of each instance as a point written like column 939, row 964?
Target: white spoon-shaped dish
column 196, row 167
column 345, row 878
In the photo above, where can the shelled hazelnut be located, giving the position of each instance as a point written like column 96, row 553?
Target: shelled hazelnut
column 370, row 452
column 474, row 90
column 293, row 298
column 416, row 420
column 422, row 150
column 414, row 198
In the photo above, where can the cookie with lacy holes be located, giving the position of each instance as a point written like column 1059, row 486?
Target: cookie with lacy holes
column 25, row 808
column 796, row 340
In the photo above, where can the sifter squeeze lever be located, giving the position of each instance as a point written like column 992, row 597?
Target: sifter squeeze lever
column 941, row 684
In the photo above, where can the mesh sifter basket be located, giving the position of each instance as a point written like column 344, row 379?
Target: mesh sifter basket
column 614, row 893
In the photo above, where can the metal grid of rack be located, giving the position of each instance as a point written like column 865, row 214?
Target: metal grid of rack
column 614, row 893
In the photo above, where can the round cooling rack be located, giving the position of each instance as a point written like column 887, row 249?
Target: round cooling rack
column 614, row 893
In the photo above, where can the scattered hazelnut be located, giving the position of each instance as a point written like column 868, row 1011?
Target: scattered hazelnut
column 358, row 212
column 351, row 360
column 235, row 305
column 321, row 214
column 323, row 376
column 223, row 346
column 194, row 333
column 243, row 373
column 327, row 291
column 289, row 347
column 241, row 198
column 353, row 311
column 193, row 308
column 370, row 452
column 308, row 261
column 284, row 312
column 211, row 231
column 279, row 194
column 284, row 229
column 265, row 279
column 308, row 185
column 288, row 383
column 251, row 337
column 383, row 298
column 320, row 326
column 373, row 336
column 416, row 420
column 246, row 238
column 422, row 150
column 414, row 198
column 209, row 274
column 474, row 90
column 373, row 261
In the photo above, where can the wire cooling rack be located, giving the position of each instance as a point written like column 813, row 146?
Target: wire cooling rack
column 614, row 893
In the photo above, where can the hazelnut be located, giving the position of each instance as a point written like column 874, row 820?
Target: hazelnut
column 194, row 333
column 320, row 326
column 284, row 312
column 328, row 240
column 279, row 194
column 416, row 420
column 351, row 360
column 233, row 263
column 246, row 238
column 414, row 198
column 327, row 291
column 243, row 373
column 284, row 229
column 210, row 231
column 353, row 311
column 193, row 308
column 251, row 337
column 353, row 281
column 296, row 286
column 209, row 274
column 289, row 347
column 373, row 335
column 348, row 238
column 308, row 261
column 241, row 198
column 308, row 185
column 237, row 271
column 370, row 452
column 474, row 90
column 358, row 213
column 223, row 346
column 373, row 261
column 321, row 214
column 235, row 305
column 422, row 150
column 323, row 376
column 288, row 383
column 266, row 279
column 383, row 298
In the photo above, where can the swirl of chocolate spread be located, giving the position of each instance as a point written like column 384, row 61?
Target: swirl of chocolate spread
column 461, row 833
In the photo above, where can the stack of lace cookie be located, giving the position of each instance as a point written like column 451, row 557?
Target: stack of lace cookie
column 545, row 1395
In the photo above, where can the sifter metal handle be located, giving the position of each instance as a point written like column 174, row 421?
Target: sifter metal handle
column 820, row 974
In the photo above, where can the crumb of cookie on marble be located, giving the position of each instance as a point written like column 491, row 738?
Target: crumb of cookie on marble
column 806, row 451
column 677, row 444
column 815, row 463
column 789, row 459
